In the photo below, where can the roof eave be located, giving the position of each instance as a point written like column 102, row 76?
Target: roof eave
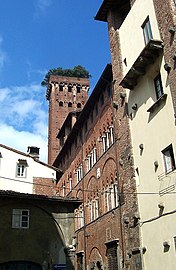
column 103, row 10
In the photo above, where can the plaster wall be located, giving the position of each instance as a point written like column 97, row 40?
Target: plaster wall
column 131, row 32
column 41, row 243
column 8, row 170
column 155, row 130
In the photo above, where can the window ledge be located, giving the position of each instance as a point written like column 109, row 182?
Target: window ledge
column 165, row 174
column 155, row 105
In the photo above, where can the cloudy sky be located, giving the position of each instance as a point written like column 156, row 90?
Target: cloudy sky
column 35, row 36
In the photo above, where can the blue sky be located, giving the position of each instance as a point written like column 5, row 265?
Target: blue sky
column 35, row 36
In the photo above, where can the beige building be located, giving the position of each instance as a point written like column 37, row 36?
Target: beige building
column 142, row 39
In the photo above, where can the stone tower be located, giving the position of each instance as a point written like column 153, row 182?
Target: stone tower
column 65, row 95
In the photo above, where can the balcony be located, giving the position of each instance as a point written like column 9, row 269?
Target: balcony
column 146, row 57
column 167, row 182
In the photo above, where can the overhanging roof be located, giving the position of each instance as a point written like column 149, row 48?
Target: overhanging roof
column 109, row 5
column 103, row 11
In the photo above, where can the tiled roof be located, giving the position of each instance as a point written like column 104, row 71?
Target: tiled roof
column 29, row 156
column 19, row 195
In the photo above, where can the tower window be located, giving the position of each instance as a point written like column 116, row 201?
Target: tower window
column 61, row 103
column 79, row 105
column 69, row 104
column 78, row 87
column 61, row 86
column 70, row 88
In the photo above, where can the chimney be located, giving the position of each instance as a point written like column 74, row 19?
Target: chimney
column 33, row 151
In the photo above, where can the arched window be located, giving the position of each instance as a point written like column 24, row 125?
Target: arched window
column 70, row 87
column 69, row 104
column 61, row 104
column 78, row 88
column 61, row 86
column 79, row 105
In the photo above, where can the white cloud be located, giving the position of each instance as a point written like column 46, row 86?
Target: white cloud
column 4, row 94
column 24, row 118
column 23, row 104
column 20, row 140
column 41, row 6
column 31, row 72
column 3, row 54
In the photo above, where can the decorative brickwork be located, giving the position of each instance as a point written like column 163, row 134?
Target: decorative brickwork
column 65, row 94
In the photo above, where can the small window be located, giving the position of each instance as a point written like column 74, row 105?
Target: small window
column 61, row 87
column 20, row 218
column 61, row 103
column 21, row 170
column 169, row 161
column 69, row 104
column 78, row 87
column 147, row 31
column 158, row 86
column 70, row 88
column 79, row 105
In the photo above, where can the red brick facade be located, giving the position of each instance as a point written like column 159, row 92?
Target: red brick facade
column 97, row 168
column 65, row 94
column 44, row 186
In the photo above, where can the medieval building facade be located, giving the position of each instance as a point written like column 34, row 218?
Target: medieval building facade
column 142, row 38
column 94, row 173
column 118, row 152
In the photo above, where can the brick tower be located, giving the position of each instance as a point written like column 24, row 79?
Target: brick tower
column 65, row 94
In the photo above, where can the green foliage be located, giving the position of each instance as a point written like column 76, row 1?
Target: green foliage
column 77, row 71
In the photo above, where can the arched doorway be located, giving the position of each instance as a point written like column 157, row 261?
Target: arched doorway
column 20, row 265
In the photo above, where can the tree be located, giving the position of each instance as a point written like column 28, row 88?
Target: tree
column 77, row 71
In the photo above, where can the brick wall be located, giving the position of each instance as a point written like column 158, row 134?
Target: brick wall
column 71, row 101
column 44, row 186
column 131, row 235
column 115, row 164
